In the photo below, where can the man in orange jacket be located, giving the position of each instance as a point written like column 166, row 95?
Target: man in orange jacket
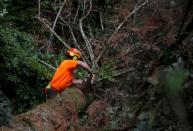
column 63, row 77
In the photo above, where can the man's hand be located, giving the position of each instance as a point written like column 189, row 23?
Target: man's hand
column 93, row 78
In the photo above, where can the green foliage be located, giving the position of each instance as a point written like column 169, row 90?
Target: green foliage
column 106, row 4
column 5, row 110
column 22, row 76
column 106, row 72
column 3, row 7
column 46, row 4
column 109, row 4
column 175, row 78
column 81, row 73
column 61, row 56
column 21, row 14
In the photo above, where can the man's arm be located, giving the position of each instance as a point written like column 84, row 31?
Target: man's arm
column 85, row 66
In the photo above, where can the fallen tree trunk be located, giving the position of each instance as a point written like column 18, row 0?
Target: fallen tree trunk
column 57, row 114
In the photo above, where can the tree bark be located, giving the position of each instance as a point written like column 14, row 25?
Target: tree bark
column 56, row 114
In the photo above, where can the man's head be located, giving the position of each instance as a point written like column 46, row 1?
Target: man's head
column 74, row 54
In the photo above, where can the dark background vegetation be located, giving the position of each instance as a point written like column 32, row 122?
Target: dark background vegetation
column 144, row 73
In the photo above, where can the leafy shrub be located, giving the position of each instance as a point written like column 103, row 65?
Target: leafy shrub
column 3, row 7
column 5, row 110
column 22, row 76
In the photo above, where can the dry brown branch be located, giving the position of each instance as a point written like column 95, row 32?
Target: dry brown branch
column 133, row 48
column 119, row 26
column 123, row 71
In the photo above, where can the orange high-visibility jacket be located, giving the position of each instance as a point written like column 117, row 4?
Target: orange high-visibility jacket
column 64, row 75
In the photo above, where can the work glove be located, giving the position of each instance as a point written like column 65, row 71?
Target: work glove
column 92, row 76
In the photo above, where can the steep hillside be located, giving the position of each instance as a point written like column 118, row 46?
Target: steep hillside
column 139, row 50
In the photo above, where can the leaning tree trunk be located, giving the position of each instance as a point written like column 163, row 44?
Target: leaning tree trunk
column 56, row 114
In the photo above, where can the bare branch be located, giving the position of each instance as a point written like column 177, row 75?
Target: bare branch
column 90, row 30
column 52, row 31
column 100, row 55
column 101, row 21
column 55, row 21
column 77, row 12
column 65, row 23
column 90, row 3
column 77, row 45
column 134, row 15
column 39, row 7
column 88, row 45
column 123, row 71
column 50, row 66
column 119, row 26
column 84, row 6
column 133, row 48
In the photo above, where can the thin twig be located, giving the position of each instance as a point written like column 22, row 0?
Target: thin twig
column 90, row 30
column 55, row 21
column 119, row 26
column 101, row 21
column 84, row 16
column 133, row 48
column 134, row 15
column 76, row 12
column 123, row 71
column 84, row 6
column 39, row 7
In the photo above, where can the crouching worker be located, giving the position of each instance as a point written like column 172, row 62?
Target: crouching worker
column 64, row 76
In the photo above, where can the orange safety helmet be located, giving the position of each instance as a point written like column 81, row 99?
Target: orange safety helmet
column 74, row 52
